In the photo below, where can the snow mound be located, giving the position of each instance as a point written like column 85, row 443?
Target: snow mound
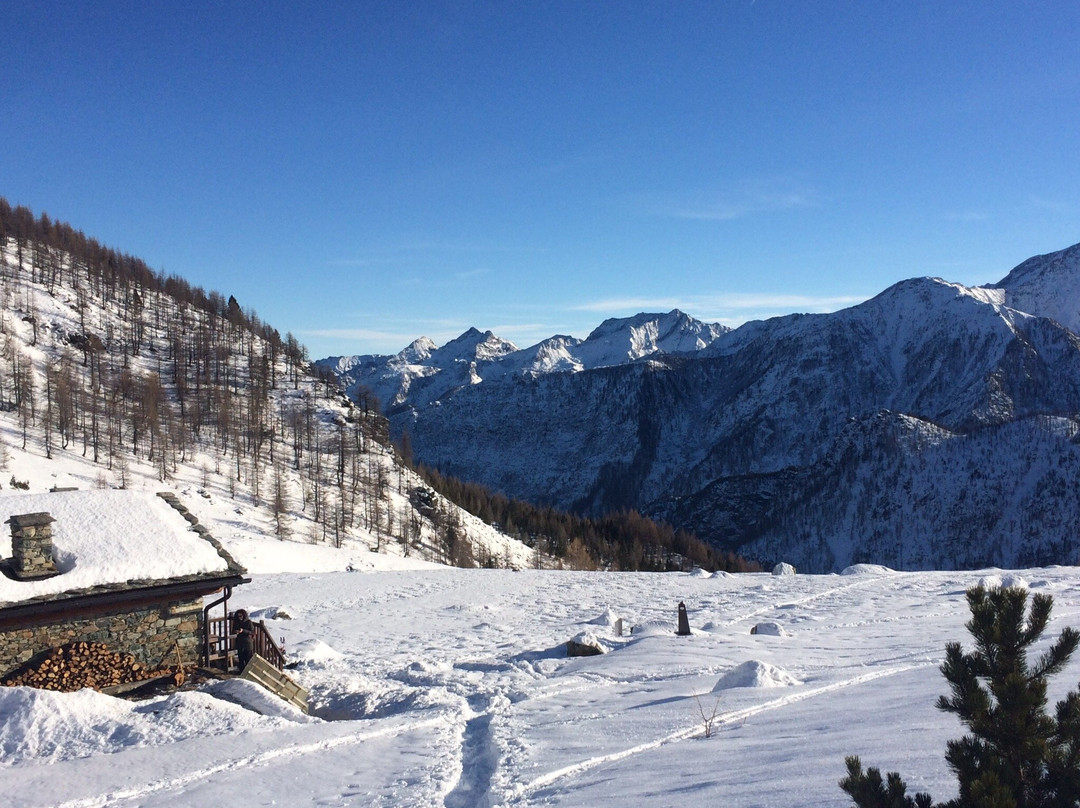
column 270, row 613
column 423, row 667
column 770, row 629
column 255, row 697
column 608, row 618
column 47, row 727
column 603, row 644
column 721, row 574
column 313, row 651
column 755, row 674
column 698, row 572
column 783, row 568
column 867, row 569
column 1004, row 580
column 654, row 628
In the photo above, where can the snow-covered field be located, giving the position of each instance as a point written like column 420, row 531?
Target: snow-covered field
column 447, row 687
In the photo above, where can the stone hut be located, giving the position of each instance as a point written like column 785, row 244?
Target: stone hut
column 126, row 569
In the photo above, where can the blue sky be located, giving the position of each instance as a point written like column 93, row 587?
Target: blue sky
column 362, row 174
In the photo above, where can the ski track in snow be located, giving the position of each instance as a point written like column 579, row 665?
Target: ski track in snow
column 792, row 604
column 244, row 762
column 532, row 788
column 479, row 758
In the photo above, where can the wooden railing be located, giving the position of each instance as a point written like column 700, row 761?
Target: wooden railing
column 221, row 644
column 267, row 648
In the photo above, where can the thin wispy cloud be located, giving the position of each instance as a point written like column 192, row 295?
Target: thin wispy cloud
column 391, row 336
column 728, row 210
column 441, row 281
column 723, row 303
column 352, row 263
column 469, row 274
column 970, row 216
column 618, row 304
column 360, row 334
column 380, row 254
column 1049, row 205
column 743, row 199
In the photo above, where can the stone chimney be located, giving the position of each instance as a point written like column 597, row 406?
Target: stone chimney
column 32, row 546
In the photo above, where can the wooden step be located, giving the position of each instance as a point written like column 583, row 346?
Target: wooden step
column 261, row 672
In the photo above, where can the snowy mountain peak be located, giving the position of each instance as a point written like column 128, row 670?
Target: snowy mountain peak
column 473, row 346
column 553, row 355
column 619, row 340
column 925, row 291
column 1060, row 265
column 1047, row 286
column 341, row 365
column 417, row 351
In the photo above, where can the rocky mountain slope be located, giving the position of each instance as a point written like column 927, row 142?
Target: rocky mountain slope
column 932, row 426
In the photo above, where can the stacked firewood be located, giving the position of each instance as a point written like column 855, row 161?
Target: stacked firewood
column 86, row 664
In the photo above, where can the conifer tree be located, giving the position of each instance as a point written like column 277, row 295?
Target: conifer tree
column 1017, row 755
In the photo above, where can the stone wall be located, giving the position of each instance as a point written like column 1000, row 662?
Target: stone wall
column 150, row 633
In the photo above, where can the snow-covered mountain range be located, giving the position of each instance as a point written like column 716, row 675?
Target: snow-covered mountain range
column 424, row 372
column 932, row 426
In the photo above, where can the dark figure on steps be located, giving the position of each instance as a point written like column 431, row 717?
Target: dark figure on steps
column 244, row 630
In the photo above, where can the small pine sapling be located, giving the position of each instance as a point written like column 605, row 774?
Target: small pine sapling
column 1017, row 755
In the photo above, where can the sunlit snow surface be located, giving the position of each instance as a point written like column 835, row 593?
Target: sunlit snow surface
column 452, row 688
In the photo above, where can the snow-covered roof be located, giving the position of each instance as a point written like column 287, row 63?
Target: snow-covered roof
column 108, row 538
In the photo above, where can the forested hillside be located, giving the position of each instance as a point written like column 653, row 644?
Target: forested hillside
column 141, row 375
column 625, row 540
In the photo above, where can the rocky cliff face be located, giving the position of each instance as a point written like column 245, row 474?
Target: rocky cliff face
column 932, row 426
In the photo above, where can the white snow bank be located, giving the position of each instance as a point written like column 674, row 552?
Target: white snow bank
column 603, row 644
column 608, row 618
column 255, row 697
column 313, row 651
column 755, row 674
column 783, row 568
column 269, row 613
column 654, row 628
column 770, row 629
column 108, row 537
column 867, row 569
column 1008, row 579
column 43, row 726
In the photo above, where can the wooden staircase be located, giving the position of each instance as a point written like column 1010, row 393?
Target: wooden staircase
column 220, row 650
column 265, row 666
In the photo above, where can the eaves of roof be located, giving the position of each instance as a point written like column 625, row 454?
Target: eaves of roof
column 112, row 597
